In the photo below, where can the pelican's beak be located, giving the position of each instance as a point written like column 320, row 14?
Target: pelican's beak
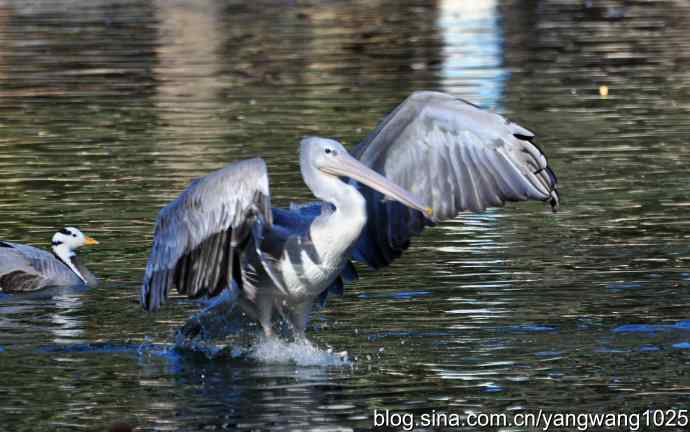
column 88, row 241
column 345, row 165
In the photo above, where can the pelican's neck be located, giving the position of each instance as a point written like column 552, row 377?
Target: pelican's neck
column 334, row 233
column 350, row 203
column 65, row 255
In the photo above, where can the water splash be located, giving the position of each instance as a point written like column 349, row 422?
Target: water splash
column 251, row 346
column 300, row 352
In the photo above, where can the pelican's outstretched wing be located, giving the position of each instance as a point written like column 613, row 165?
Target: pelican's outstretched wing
column 200, row 236
column 453, row 154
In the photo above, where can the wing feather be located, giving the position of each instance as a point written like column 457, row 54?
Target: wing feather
column 456, row 156
column 198, row 237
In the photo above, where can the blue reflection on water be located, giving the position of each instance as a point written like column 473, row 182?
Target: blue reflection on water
column 400, row 295
column 529, row 328
column 652, row 328
column 621, row 286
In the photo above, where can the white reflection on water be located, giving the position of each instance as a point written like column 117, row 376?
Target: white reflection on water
column 57, row 311
column 188, row 97
column 66, row 324
column 472, row 50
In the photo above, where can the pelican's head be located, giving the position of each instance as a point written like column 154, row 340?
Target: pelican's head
column 319, row 151
column 70, row 238
column 323, row 160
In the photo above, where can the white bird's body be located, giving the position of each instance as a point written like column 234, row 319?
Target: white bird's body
column 25, row 268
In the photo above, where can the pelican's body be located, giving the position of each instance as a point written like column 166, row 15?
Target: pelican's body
column 310, row 262
column 332, row 234
column 25, row 268
column 448, row 156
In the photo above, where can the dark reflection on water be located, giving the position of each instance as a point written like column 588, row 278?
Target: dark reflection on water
column 108, row 109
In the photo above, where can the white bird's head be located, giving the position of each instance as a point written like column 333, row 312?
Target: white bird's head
column 65, row 242
column 70, row 238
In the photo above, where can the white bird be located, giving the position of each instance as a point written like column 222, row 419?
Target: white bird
column 25, row 268
column 223, row 233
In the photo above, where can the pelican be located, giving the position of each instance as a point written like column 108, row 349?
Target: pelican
column 431, row 158
column 25, row 268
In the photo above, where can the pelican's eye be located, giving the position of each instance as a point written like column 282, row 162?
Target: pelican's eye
column 329, row 151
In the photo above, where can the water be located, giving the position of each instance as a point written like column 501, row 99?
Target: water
column 109, row 109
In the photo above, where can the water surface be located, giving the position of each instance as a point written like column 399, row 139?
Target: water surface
column 109, row 109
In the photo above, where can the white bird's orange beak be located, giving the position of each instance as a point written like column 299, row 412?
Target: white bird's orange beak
column 88, row 241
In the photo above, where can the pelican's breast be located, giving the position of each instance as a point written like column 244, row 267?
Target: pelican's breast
column 306, row 271
column 311, row 261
